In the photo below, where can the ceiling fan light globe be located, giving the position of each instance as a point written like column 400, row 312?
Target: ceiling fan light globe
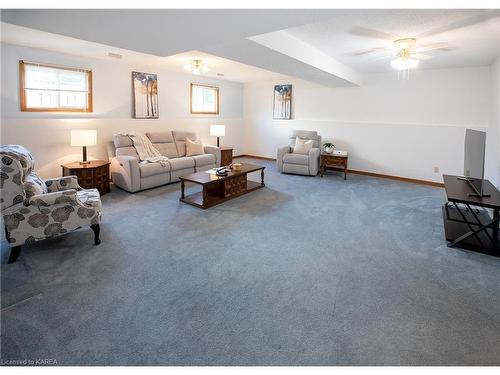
column 412, row 63
column 398, row 64
column 188, row 67
column 404, row 64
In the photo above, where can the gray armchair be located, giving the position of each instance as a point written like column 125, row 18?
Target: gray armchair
column 288, row 162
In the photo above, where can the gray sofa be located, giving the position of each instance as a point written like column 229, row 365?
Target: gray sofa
column 288, row 162
column 132, row 176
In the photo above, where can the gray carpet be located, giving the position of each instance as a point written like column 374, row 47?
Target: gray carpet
column 307, row 271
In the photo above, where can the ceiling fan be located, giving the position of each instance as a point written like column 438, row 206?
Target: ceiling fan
column 405, row 53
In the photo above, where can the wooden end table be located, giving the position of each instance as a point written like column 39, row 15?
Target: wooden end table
column 226, row 156
column 337, row 161
column 93, row 175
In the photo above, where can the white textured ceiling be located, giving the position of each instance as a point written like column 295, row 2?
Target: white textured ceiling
column 162, row 32
column 231, row 70
column 473, row 36
column 237, row 37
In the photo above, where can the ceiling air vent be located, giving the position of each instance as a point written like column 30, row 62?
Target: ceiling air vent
column 115, row 55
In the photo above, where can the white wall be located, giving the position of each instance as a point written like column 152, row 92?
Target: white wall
column 47, row 135
column 493, row 139
column 401, row 128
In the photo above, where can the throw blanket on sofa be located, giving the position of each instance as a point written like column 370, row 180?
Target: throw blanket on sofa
column 145, row 149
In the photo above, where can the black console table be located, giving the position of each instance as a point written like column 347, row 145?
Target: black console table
column 467, row 222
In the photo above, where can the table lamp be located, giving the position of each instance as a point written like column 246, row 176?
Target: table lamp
column 84, row 138
column 217, row 131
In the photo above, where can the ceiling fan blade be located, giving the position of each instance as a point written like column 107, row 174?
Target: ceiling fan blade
column 421, row 56
column 370, row 33
column 432, row 47
column 367, row 51
column 478, row 18
column 385, row 57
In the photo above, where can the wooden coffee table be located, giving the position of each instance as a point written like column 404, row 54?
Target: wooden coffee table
column 218, row 189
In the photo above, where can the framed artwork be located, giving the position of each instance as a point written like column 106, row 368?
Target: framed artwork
column 204, row 100
column 282, row 104
column 145, row 87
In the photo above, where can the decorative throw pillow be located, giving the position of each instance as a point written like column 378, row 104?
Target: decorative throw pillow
column 302, row 146
column 33, row 185
column 193, row 147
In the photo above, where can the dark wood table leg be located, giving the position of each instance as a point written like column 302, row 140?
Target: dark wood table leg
column 321, row 169
column 204, row 194
column 496, row 214
column 345, row 170
column 182, row 189
column 262, row 177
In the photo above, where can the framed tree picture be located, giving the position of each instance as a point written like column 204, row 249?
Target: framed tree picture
column 282, row 104
column 145, row 87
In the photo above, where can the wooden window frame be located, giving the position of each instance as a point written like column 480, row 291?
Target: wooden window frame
column 22, row 88
column 191, row 99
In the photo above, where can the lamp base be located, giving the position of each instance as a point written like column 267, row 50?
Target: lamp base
column 84, row 162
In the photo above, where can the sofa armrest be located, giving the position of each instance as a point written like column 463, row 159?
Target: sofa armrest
column 62, row 183
column 279, row 158
column 125, row 172
column 214, row 151
column 49, row 199
column 314, row 161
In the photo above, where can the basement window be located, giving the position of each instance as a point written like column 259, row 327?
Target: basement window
column 49, row 88
column 204, row 100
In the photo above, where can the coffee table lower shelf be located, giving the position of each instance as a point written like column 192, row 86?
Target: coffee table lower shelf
column 216, row 196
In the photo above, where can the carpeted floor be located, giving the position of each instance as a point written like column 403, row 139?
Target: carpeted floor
column 307, row 271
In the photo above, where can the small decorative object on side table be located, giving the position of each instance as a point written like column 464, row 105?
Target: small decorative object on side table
column 329, row 146
column 336, row 160
column 226, row 156
column 92, row 175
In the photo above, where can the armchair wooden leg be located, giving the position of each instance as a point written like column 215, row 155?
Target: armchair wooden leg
column 96, row 228
column 14, row 254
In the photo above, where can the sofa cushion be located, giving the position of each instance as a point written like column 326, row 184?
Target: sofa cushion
column 180, row 140
column 306, row 134
column 167, row 149
column 151, row 169
column 127, row 151
column 205, row 159
column 33, row 185
column 299, row 159
column 121, row 140
column 193, row 147
column 89, row 198
column 181, row 163
column 160, row 137
column 302, row 146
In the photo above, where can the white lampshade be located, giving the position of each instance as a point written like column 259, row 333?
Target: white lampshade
column 83, row 137
column 217, row 130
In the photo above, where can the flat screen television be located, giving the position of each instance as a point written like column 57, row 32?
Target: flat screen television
column 474, row 154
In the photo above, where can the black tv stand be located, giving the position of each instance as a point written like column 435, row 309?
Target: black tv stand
column 467, row 227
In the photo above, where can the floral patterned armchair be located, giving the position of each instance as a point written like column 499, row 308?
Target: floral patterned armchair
column 34, row 209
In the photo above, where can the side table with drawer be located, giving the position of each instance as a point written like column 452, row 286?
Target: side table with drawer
column 337, row 160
